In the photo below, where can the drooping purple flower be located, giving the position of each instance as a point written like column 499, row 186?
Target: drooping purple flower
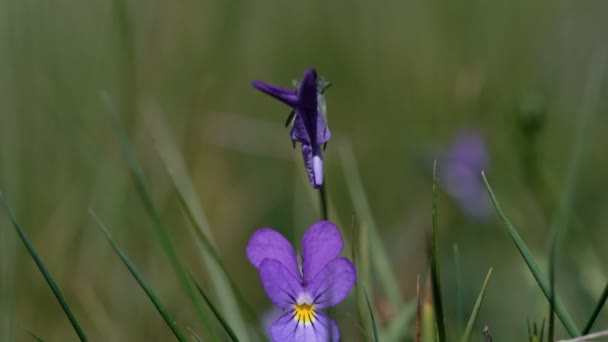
column 309, row 126
column 323, row 280
column 460, row 174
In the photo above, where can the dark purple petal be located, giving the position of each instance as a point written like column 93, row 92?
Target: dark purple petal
column 321, row 244
column 288, row 329
column 286, row 96
column 281, row 286
column 266, row 243
column 313, row 161
column 307, row 91
column 333, row 283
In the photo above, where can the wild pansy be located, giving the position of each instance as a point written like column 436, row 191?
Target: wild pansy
column 321, row 281
column 310, row 125
column 460, row 174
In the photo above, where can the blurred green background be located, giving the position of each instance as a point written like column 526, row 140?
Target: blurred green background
column 407, row 77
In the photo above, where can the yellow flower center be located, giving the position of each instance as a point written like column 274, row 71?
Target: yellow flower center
column 304, row 313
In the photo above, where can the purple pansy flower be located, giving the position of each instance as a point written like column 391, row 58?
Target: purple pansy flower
column 460, row 174
column 310, row 126
column 323, row 280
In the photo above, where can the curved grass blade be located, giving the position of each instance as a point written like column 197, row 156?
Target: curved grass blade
column 596, row 311
column 229, row 298
column 142, row 282
column 371, row 314
column 380, row 259
column 541, row 280
column 159, row 226
column 216, row 312
column 45, row 272
column 469, row 329
column 435, row 277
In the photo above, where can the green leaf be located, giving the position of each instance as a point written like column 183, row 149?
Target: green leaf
column 160, row 229
column 473, row 318
column 142, row 281
column 371, row 314
column 435, row 276
column 217, row 314
column 541, row 280
column 45, row 272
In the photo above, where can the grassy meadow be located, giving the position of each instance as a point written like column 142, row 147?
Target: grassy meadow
column 143, row 112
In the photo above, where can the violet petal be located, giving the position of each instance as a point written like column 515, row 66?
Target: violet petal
column 321, row 244
column 281, row 286
column 288, row 329
column 286, row 96
column 299, row 132
column 267, row 243
column 333, row 283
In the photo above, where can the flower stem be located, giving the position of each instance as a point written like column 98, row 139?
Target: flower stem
column 323, row 199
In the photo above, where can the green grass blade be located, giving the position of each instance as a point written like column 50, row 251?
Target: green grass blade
column 142, row 282
column 34, row 336
column 459, row 300
column 227, row 293
column 540, row 278
column 371, row 314
column 596, row 311
column 217, row 314
column 435, row 276
column 473, row 318
column 159, row 226
column 563, row 215
column 45, row 272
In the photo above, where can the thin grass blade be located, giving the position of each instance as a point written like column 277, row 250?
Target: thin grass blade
column 562, row 218
column 160, row 229
column 418, row 336
column 371, row 314
column 473, row 318
column 217, row 314
column 459, row 300
column 45, row 272
column 435, row 276
column 380, row 259
column 540, row 278
column 141, row 280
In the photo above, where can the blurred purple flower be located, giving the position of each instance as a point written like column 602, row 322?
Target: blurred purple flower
column 460, row 174
column 309, row 127
column 324, row 280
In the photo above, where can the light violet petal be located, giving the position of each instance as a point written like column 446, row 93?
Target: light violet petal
column 286, row 96
column 323, row 133
column 267, row 243
column 313, row 162
column 281, row 286
column 333, row 283
column 288, row 329
column 321, row 244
